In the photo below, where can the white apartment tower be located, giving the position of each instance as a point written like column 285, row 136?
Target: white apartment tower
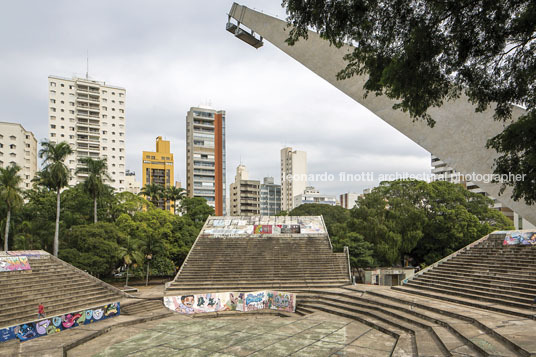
column 293, row 176
column 18, row 147
column 90, row 116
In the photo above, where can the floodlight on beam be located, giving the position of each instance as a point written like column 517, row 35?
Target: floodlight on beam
column 247, row 37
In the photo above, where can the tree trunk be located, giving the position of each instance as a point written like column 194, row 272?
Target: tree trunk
column 57, row 232
column 126, row 282
column 6, row 235
column 95, row 210
column 147, row 278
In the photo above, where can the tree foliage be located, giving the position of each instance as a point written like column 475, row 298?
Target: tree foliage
column 409, row 219
column 422, row 53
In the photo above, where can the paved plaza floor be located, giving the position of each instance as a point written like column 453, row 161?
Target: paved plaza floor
column 253, row 335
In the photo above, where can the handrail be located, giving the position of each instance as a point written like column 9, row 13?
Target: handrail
column 347, row 252
column 327, row 233
column 446, row 258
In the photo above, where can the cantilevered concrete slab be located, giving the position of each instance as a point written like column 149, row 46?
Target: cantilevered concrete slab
column 459, row 136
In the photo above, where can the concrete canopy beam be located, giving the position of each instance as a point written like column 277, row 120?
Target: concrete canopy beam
column 459, row 136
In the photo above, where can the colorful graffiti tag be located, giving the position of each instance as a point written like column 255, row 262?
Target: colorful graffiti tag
column 14, row 263
column 210, row 302
column 520, row 238
column 231, row 301
column 262, row 229
column 56, row 324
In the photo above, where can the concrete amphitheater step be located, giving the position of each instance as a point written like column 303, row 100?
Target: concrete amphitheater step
column 60, row 287
column 470, row 300
column 143, row 306
column 470, row 324
column 427, row 341
column 248, row 261
column 405, row 345
column 473, row 292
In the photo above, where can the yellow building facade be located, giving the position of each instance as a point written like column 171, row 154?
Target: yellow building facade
column 158, row 168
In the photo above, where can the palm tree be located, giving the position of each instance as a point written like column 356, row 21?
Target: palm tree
column 175, row 194
column 130, row 255
column 10, row 193
column 153, row 191
column 94, row 183
column 55, row 175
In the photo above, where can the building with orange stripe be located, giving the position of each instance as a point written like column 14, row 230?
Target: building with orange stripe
column 205, row 156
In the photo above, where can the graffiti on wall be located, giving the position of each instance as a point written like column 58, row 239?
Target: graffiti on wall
column 14, row 263
column 199, row 303
column 264, row 225
column 231, row 301
column 520, row 238
column 56, row 324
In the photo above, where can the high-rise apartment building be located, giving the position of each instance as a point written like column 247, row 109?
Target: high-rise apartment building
column 293, row 176
column 89, row 116
column 18, row 147
column 245, row 194
column 205, row 156
column 270, row 197
column 443, row 172
column 348, row 200
column 158, row 169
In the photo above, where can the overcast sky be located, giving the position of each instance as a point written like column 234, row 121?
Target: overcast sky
column 172, row 55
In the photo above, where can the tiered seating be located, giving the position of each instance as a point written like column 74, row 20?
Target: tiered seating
column 60, row 287
column 421, row 326
column 488, row 272
column 247, row 262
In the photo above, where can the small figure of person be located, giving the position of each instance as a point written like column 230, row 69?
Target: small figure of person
column 41, row 311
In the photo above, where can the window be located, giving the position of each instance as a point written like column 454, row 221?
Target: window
column 62, row 110
column 53, row 110
column 121, row 94
column 113, row 109
column 53, row 101
column 104, row 108
column 62, row 118
column 1, row 145
column 71, row 111
column 53, row 92
column 70, row 87
column 121, row 111
column 71, row 136
column 62, row 135
column 52, row 84
column 62, row 102
column 62, row 127
column 52, row 135
column 63, row 85
column 53, row 126
column 27, row 145
column 71, row 128
column 113, row 93
column 104, row 92
column 62, row 93
column 113, row 101
column 52, row 117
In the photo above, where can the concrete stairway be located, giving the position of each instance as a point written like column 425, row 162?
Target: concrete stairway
column 488, row 275
column 420, row 329
column 142, row 306
column 60, row 287
column 254, row 262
